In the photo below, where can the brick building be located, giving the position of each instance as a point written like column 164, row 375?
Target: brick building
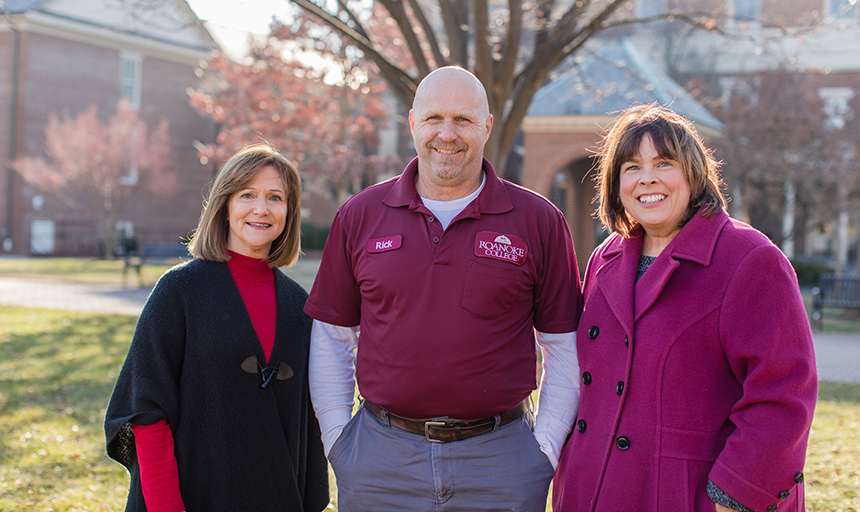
column 61, row 56
column 819, row 39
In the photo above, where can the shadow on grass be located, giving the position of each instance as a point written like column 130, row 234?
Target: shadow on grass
column 57, row 371
column 64, row 363
column 839, row 392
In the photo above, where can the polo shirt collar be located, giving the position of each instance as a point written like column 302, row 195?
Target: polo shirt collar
column 492, row 199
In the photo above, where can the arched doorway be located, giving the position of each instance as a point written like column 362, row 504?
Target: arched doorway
column 572, row 191
column 557, row 165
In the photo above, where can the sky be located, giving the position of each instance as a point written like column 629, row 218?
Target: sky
column 231, row 20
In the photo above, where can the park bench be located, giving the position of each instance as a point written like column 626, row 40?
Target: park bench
column 834, row 291
column 154, row 254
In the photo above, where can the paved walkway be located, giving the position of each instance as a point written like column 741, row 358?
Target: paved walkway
column 837, row 355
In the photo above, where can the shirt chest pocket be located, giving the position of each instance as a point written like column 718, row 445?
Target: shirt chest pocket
column 490, row 291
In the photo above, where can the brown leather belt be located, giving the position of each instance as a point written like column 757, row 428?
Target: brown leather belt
column 445, row 429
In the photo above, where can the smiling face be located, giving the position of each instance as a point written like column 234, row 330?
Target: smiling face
column 450, row 123
column 257, row 214
column 654, row 191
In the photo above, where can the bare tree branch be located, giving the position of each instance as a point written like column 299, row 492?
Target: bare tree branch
column 455, row 16
column 429, row 33
column 401, row 83
column 483, row 46
column 398, row 12
column 355, row 21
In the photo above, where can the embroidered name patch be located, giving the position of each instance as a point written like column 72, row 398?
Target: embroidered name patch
column 497, row 246
column 384, row 244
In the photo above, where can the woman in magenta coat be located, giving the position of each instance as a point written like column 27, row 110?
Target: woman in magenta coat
column 698, row 372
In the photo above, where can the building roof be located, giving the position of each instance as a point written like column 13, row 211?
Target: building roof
column 611, row 80
column 173, row 24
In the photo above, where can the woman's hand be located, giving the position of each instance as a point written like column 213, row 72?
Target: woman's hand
column 721, row 508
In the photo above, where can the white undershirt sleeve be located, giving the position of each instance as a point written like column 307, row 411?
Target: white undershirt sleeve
column 331, row 376
column 558, row 400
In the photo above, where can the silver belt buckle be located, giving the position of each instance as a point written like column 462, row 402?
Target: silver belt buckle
column 427, row 425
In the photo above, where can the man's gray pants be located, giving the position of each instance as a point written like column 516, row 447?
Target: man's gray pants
column 381, row 468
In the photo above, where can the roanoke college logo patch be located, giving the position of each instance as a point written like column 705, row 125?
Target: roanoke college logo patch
column 501, row 247
column 384, row 244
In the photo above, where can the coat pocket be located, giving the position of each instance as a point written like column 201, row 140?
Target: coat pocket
column 686, row 459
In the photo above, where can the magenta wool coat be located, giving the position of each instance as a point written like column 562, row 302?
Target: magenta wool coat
column 704, row 369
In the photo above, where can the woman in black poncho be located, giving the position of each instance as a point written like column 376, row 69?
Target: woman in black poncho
column 211, row 410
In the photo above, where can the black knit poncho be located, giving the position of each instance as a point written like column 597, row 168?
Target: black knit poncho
column 238, row 446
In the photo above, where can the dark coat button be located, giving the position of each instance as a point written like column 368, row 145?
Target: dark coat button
column 798, row 478
column 771, row 508
column 626, row 341
column 622, row 443
column 580, row 425
column 593, row 331
column 619, row 388
column 784, row 494
column 586, row 378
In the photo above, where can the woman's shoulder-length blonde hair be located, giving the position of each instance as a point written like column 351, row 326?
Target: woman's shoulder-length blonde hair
column 210, row 240
column 675, row 138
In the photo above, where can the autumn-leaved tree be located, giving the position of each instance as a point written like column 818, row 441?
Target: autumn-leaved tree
column 92, row 164
column 326, row 117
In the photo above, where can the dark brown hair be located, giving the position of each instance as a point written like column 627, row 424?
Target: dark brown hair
column 210, row 240
column 674, row 138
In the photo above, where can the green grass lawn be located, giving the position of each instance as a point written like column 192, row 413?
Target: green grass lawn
column 84, row 270
column 57, row 370
column 110, row 271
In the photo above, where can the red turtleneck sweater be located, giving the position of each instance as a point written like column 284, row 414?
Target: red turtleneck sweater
column 159, row 476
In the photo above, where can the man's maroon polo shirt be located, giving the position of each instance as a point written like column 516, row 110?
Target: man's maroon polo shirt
column 447, row 317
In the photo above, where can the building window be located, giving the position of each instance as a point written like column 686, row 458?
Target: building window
column 739, row 89
column 836, row 105
column 131, row 177
column 42, row 236
column 130, row 73
column 746, row 10
column 651, row 7
column 842, row 9
column 728, row 84
column 132, row 174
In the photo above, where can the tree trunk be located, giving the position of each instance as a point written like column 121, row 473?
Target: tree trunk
column 841, row 249
column 788, row 218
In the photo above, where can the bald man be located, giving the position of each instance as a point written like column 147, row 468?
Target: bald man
column 433, row 288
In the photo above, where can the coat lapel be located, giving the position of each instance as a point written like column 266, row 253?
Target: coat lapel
column 620, row 260
column 695, row 243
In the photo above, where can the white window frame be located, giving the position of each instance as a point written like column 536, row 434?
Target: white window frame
column 131, row 77
column 132, row 176
column 43, row 236
column 837, row 104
